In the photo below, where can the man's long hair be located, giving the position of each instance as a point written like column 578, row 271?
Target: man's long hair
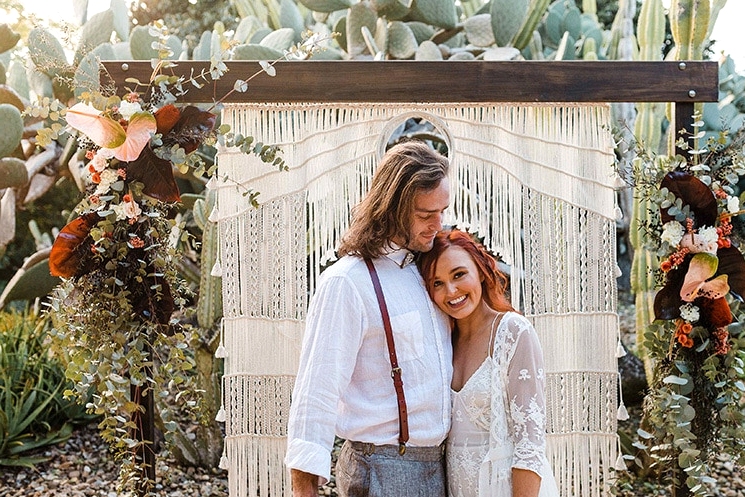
column 385, row 213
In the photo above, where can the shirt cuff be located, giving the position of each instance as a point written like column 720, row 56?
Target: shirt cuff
column 310, row 458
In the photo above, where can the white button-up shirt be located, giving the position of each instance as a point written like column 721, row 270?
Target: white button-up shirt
column 344, row 385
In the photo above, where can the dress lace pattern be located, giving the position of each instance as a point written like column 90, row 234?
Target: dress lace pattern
column 498, row 418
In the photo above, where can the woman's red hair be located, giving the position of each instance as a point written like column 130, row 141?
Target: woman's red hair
column 494, row 286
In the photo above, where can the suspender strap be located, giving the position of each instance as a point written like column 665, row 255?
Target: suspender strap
column 403, row 420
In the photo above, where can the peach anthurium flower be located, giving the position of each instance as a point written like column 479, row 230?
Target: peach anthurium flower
column 703, row 266
column 109, row 134
column 141, row 127
column 102, row 130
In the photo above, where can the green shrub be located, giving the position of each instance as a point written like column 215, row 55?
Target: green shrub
column 33, row 412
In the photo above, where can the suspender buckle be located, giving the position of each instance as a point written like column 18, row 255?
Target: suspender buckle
column 401, row 448
column 395, row 371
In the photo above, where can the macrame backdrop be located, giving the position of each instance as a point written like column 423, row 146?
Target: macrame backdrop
column 535, row 181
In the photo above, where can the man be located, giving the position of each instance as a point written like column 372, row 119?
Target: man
column 344, row 384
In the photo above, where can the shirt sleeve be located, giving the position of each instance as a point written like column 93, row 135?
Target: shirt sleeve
column 333, row 334
column 526, row 383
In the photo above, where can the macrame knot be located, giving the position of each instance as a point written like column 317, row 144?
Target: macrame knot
column 221, row 352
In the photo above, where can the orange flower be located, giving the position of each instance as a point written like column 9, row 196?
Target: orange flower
column 136, row 242
column 685, row 341
column 666, row 266
column 96, row 178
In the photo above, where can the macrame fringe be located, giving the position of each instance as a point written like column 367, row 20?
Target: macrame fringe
column 582, row 463
column 256, row 466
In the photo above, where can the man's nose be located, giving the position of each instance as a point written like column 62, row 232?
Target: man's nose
column 438, row 221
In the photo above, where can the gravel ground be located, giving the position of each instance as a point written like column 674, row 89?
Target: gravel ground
column 82, row 467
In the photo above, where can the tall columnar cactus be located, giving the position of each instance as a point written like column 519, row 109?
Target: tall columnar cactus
column 209, row 305
column 689, row 24
column 648, row 130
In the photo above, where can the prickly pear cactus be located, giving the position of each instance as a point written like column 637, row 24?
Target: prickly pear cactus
column 8, row 38
column 12, row 133
column 13, row 173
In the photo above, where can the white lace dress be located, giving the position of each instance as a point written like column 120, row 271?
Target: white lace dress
column 499, row 418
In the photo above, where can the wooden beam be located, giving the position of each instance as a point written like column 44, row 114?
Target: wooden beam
column 445, row 81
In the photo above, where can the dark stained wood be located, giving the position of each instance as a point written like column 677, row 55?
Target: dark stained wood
column 684, row 119
column 447, row 81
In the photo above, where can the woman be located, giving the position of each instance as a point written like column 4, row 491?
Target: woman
column 496, row 446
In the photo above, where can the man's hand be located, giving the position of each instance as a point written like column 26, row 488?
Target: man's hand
column 303, row 484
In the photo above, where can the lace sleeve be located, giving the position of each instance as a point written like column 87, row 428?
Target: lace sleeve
column 526, row 383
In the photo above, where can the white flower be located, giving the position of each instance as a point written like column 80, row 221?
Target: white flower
column 703, row 241
column 108, row 176
column 126, row 109
column 672, row 232
column 709, row 235
column 101, row 160
column 689, row 312
column 127, row 210
column 733, row 204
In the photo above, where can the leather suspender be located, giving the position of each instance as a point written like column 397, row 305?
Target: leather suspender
column 403, row 421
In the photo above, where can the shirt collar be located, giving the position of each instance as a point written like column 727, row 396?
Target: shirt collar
column 400, row 255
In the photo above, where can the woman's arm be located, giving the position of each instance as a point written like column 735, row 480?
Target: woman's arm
column 525, row 483
column 526, row 409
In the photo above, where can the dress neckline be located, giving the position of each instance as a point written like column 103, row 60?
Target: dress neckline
column 486, row 359
column 476, row 372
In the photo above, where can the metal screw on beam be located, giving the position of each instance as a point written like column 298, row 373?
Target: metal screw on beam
column 125, row 67
column 682, row 66
column 692, row 93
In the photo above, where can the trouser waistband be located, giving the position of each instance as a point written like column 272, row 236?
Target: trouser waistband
column 412, row 453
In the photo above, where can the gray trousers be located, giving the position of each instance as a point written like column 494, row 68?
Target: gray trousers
column 367, row 470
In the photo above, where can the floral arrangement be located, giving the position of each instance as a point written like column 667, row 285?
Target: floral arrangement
column 118, row 311
column 696, row 403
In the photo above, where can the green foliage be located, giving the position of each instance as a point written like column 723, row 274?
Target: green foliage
column 695, row 408
column 33, row 412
